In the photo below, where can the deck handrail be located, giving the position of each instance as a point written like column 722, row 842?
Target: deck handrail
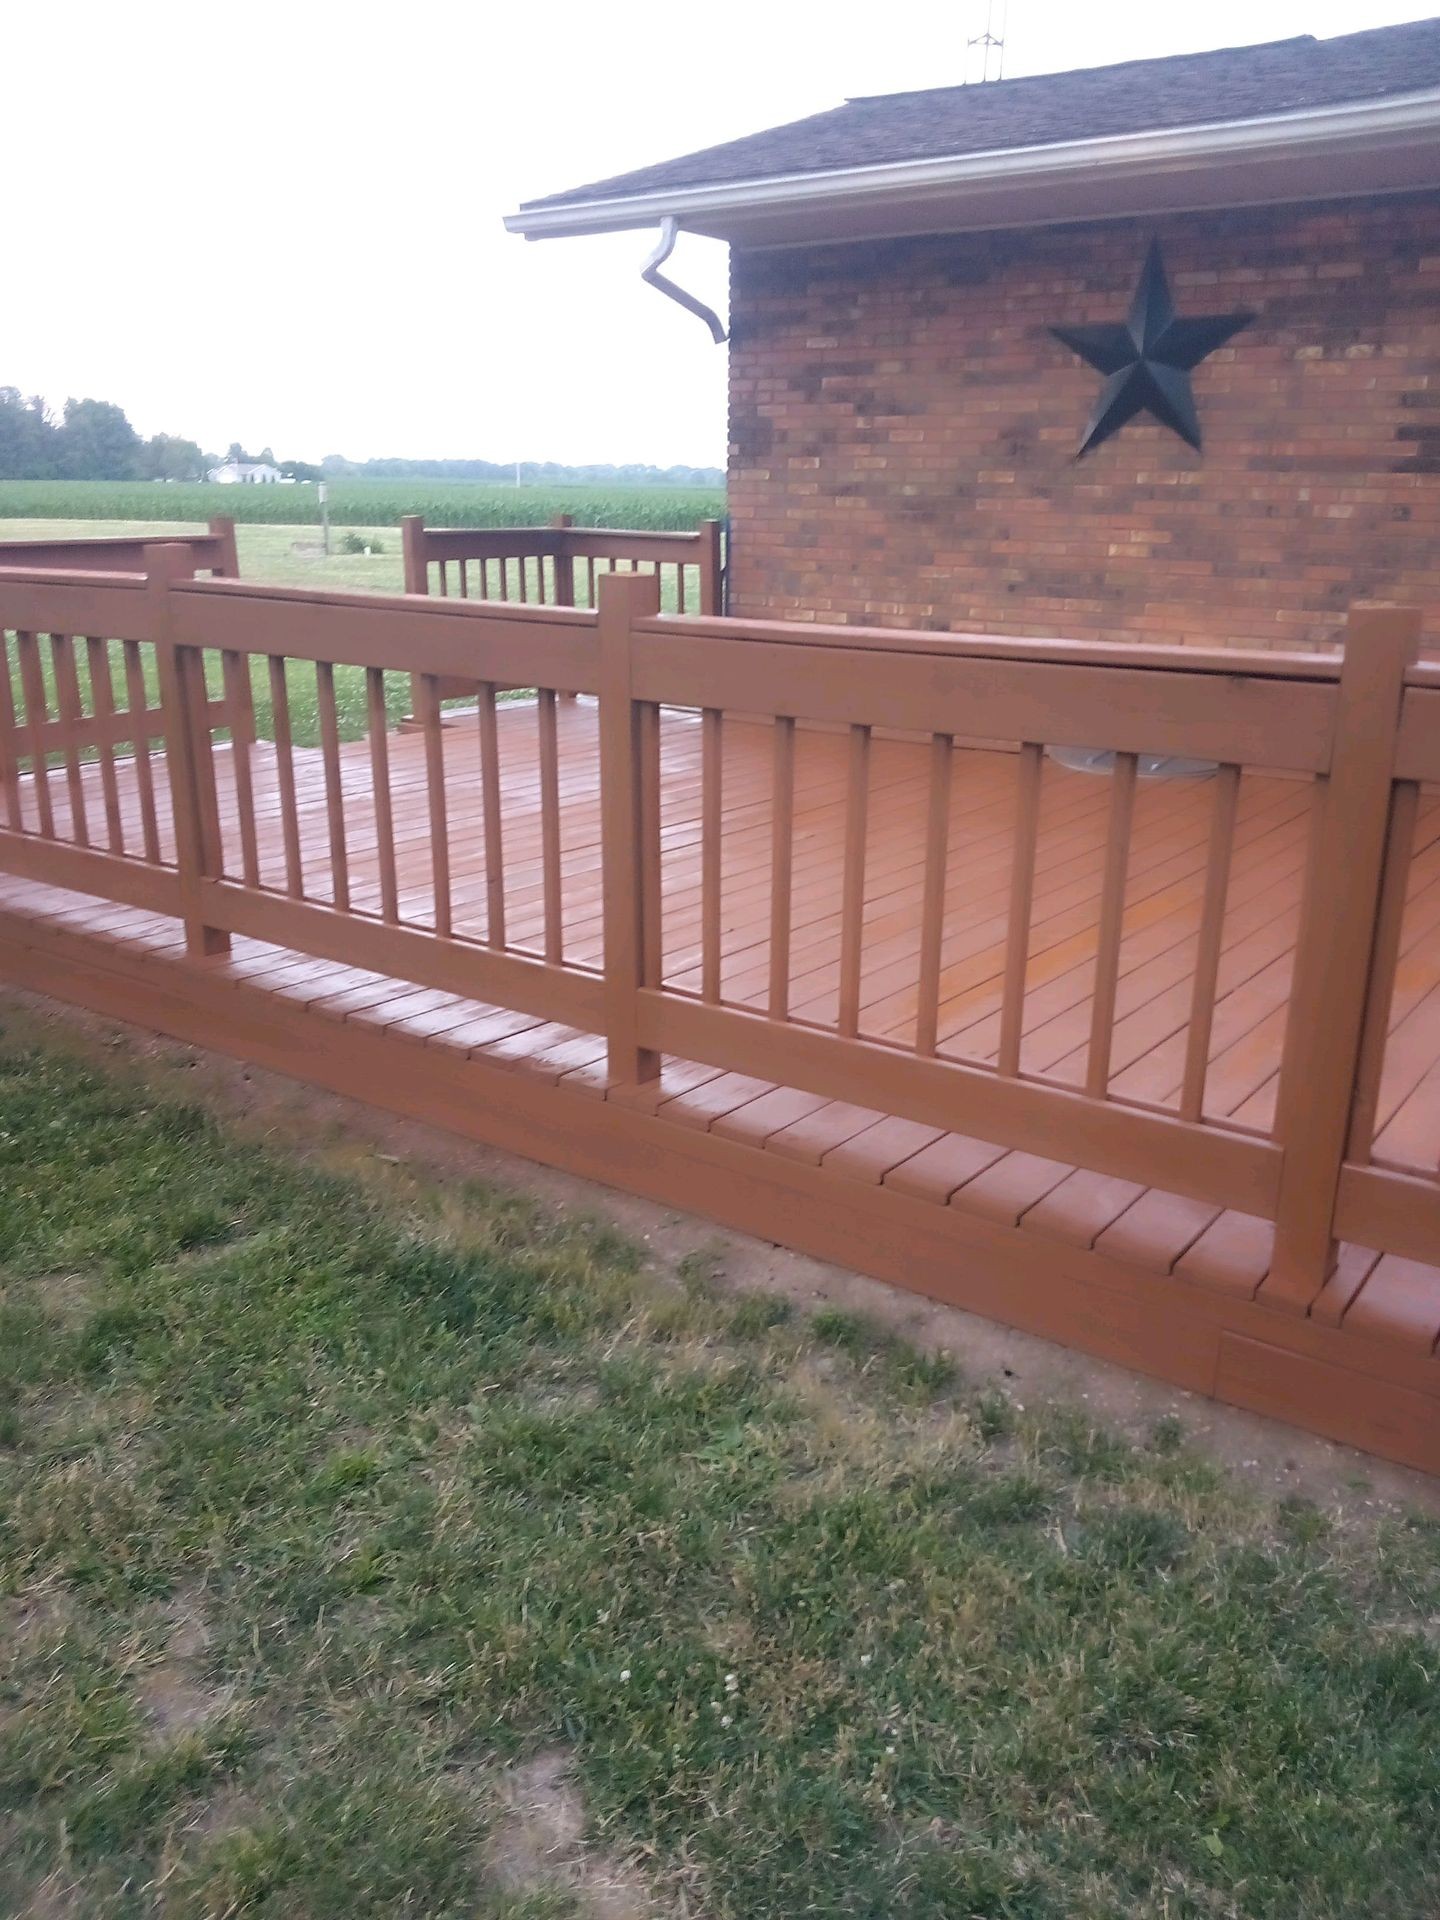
column 213, row 551
column 542, row 563
column 1360, row 734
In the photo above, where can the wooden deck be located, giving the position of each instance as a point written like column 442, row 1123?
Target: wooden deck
column 1066, row 1251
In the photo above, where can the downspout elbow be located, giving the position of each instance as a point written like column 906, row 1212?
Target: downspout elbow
column 650, row 273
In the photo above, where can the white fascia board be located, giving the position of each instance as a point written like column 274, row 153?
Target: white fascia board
column 1328, row 133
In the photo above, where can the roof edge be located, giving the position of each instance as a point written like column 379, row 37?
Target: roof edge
column 1107, row 158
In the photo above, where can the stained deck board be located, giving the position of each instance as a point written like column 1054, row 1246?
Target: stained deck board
column 1161, row 919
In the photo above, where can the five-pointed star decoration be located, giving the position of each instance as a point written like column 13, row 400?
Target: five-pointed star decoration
column 1148, row 361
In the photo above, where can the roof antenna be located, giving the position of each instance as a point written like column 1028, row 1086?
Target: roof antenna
column 991, row 43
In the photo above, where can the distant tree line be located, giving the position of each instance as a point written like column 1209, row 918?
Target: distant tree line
column 533, row 472
column 90, row 440
column 93, row 440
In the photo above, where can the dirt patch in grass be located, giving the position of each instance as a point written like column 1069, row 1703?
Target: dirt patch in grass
column 540, row 1842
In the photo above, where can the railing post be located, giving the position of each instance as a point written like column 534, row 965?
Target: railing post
column 189, row 758
column 242, row 715
column 222, row 526
column 564, row 562
column 629, row 824
column 710, row 573
column 412, row 548
column 1333, row 950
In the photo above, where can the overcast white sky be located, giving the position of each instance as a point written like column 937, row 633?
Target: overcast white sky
column 280, row 222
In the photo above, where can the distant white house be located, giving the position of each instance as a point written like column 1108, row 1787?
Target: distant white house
column 246, row 473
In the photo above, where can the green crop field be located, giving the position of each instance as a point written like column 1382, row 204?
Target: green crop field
column 363, row 503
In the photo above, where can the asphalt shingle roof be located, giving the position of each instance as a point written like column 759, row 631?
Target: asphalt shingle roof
column 1193, row 89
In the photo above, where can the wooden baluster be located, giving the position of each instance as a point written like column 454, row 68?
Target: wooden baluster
column 235, row 669
column 491, row 813
column 137, row 699
column 652, row 958
column 1022, row 896
column 334, row 785
column 932, row 911
column 429, row 714
column 285, row 776
column 379, row 728
column 445, row 579
column 67, row 704
column 550, row 827
column 1112, row 925
column 782, row 865
column 189, row 751
column 102, row 701
column 852, row 901
column 1209, row 942
column 624, row 818
column 522, row 564
column 712, row 817
column 1333, row 953
column 1389, row 922
column 464, row 577
column 37, row 712
column 9, row 742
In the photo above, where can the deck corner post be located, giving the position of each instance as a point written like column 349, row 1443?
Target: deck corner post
column 711, row 593
column 222, row 525
column 629, row 822
column 412, row 550
column 1333, row 955
column 564, row 561
column 188, row 750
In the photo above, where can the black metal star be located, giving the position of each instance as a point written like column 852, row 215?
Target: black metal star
column 1148, row 361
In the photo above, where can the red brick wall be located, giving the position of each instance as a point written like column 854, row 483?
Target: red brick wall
column 903, row 429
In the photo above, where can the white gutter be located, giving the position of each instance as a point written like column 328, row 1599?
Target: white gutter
column 1332, row 133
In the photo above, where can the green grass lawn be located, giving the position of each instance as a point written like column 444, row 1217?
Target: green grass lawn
column 338, row 1514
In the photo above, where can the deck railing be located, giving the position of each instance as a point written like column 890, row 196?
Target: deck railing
column 838, row 1001
column 560, row 565
column 211, row 552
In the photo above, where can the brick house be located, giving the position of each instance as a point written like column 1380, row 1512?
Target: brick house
column 904, row 420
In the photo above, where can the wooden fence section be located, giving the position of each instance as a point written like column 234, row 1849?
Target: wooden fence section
column 1220, row 990
column 213, row 552
column 560, row 565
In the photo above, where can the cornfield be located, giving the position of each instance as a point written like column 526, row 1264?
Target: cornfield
column 363, row 503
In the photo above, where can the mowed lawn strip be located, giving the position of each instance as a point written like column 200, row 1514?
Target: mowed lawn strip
column 373, row 1549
